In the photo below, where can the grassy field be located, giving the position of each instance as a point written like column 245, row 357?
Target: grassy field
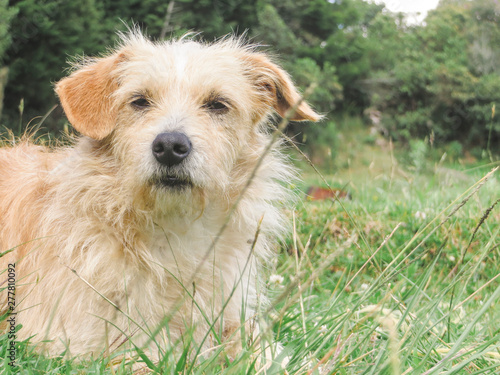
column 403, row 278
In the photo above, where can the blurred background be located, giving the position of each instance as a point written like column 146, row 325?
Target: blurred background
column 421, row 82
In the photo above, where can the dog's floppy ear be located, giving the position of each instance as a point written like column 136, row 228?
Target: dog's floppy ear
column 277, row 88
column 86, row 96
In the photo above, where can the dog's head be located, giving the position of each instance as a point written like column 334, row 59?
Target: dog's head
column 179, row 114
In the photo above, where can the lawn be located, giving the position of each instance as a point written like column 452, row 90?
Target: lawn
column 403, row 278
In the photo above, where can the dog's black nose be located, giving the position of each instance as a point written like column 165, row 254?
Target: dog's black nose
column 171, row 148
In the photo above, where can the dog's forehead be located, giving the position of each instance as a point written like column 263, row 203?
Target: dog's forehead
column 195, row 56
column 186, row 64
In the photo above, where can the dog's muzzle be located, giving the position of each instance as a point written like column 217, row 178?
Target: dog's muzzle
column 170, row 149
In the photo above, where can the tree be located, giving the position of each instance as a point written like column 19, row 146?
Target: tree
column 44, row 35
column 216, row 18
column 6, row 14
column 435, row 90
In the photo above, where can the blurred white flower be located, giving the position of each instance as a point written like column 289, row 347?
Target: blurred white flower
column 322, row 330
column 276, row 280
column 420, row 215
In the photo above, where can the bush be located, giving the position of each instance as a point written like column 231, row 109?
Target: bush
column 44, row 34
column 434, row 90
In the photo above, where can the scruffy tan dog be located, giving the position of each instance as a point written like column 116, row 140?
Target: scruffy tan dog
column 133, row 227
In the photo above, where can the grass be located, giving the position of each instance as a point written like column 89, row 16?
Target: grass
column 404, row 278
column 411, row 291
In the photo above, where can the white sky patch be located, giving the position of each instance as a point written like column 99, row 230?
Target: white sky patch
column 415, row 10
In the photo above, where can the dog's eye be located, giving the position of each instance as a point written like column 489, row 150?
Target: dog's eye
column 216, row 106
column 141, row 103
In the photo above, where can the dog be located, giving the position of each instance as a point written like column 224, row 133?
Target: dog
column 156, row 222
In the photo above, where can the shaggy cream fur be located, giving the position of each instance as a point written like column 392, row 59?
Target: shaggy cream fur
column 98, row 233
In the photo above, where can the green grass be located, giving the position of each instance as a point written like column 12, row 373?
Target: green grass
column 400, row 303
column 401, row 279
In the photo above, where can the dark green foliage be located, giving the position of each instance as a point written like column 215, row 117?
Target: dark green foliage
column 273, row 30
column 216, row 18
column 44, row 34
column 445, row 82
column 6, row 15
column 148, row 14
column 306, row 71
column 164, row 17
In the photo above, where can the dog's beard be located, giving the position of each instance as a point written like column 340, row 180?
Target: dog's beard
column 171, row 180
column 186, row 177
column 176, row 195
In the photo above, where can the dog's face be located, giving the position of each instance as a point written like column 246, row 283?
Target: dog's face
column 179, row 115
